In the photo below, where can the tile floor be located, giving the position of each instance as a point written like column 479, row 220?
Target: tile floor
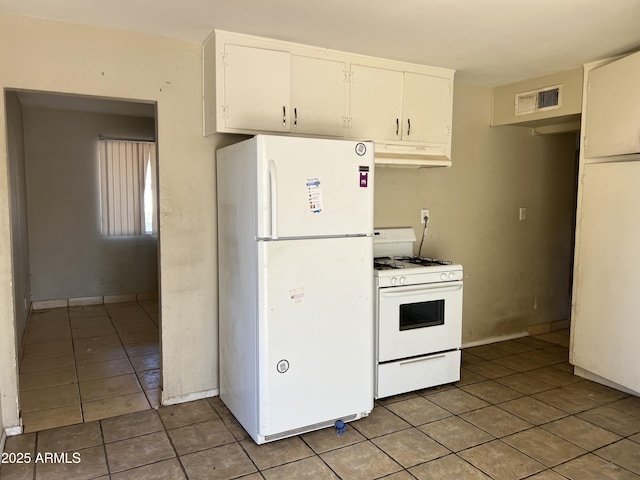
column 87, row 363
column 517, row 412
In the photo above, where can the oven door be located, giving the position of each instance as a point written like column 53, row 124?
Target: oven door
column 419, row 319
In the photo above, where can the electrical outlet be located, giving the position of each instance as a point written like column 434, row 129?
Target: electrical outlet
column 424, row 213
column 522, row 215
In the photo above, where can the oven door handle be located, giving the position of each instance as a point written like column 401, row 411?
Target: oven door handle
column 420, row 289
column 422, row 359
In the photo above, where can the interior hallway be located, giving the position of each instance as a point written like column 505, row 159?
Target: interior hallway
column 86, row 363
column 518, row 412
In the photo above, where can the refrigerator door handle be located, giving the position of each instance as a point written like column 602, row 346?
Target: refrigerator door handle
column 273, row 179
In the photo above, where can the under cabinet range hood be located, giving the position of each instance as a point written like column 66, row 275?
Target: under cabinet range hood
column 411, row 156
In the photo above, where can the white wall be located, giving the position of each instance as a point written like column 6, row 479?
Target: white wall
column 53, row 56
column 516, row 273
column 69, row 257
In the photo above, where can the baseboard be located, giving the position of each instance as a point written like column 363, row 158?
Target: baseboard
column 487, row 341
column 97, row 300
column 190, row 397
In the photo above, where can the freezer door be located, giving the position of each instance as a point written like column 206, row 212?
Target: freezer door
column 313, row 187
column 316, row 332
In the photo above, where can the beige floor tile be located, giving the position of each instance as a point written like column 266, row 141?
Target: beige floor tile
column 624, row 453
column 56, row 417
column 308, row 469
column 629, row 405
column 492, row 392
column 517, row 363
column 467, row 377
column 48, row 378
column 559, row 350
column 543, row 358
column 131, row 425
column 149, row 379
column 410, row 447
column 418, row 411
column 113, row 406
column 134, row 325
column 91, row 464
column 581, row 433
column 70, row 438
column 612, row 420
column 100, row 341
column 524, row 383
column 544, row 447
column 450, row 467
column 141, row 336
column 547, row 475
column 48, row 348
column 200, row 436
column 565, row 400
column 220, row 463
column 362, row 461
column 145, row 348
column 635, row 438
column 153, row 397
column 99, row 354
column 105, row 369
column 457, row 401
column 513, row 347
column 379, row 422
column 496, row 421
column 490, row 369
column 182, row 414
column 25, row 443
column 456, row 434
column 533, row 342
column 90, row 322
column 590, row 467
column 553, row 376
column 46, row 362
column 397, row 398
column 48, row 398
column 164, row 470
column 276, row 453
column 501, row 461
column 487, row 352
column 53, row 332
column 596, row 392
column 17, row 471
column 327, row 439
column 109, row 387
column 469, row 358
column 138, row 451
column 532, row 410
column 94, row 331
column 145, row 362
column 401, row 475
column 556, row 338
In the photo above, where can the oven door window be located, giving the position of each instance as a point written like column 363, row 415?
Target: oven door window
column 421, row 315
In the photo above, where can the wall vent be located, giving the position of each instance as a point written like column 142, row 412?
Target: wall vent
column 548, row 98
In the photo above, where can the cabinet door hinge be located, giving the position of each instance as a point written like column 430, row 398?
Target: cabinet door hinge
column 449, row 90
column 448, row 131
column 346, row 122
column 225, row 111
column 347, row 77
column 223, row 58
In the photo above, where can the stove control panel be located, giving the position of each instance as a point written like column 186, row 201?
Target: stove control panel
column 391, row 278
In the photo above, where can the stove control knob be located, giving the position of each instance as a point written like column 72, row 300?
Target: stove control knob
column 452, row 276
column 403, row 280
column 394, row 281
column 443, row 276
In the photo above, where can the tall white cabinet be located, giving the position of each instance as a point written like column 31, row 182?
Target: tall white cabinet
column 605, row 323
column 257, row 85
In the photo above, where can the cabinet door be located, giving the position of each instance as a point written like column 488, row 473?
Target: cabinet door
column 317, row 96
column 375, row 103
column 256, row 89
column 426, row 108
column 613, row 109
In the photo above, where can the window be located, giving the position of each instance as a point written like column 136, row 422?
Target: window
column 128, row 187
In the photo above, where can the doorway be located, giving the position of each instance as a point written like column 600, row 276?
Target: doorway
column 89, row 337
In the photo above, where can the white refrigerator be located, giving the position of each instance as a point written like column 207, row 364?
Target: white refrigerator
column 296, row 325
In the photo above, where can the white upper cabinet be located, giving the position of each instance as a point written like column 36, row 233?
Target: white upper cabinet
column 253, row 85
column 318, row 91
column 612, row 109
column 427, row 108
column 256, row 89
column 375, row 103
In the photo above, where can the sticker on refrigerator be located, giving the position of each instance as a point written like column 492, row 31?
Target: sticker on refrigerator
column 314, row 195
column 364, row 176
column 297, row 297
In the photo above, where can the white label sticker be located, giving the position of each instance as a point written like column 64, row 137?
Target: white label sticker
column 314, row 195
column 297, row 297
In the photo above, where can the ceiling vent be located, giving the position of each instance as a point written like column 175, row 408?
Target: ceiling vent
column 548, row 98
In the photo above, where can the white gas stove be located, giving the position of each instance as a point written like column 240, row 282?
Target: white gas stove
column 418, row 316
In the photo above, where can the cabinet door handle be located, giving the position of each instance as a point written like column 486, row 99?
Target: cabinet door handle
column 295, row 117
column 397, row 126
column 408, row 127
column 284, row 115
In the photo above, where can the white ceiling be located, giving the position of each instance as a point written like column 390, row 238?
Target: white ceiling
column 488, row 42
